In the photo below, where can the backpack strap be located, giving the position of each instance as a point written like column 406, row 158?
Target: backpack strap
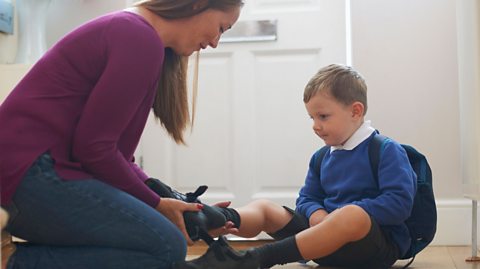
column 319, row 158
column 375, row 149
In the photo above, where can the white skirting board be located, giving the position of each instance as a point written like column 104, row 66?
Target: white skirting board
column 454, row 223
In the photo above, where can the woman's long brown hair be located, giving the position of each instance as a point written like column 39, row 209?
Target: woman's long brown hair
column 171, row 101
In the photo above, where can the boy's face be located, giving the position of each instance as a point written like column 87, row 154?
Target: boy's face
column 333, row 122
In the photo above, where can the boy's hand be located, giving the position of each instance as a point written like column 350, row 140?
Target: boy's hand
column 229, row 227
column 317, row 217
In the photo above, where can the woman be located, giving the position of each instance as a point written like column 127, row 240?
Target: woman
column 69, row 129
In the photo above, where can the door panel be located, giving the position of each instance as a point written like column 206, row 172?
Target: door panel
column 252, row 137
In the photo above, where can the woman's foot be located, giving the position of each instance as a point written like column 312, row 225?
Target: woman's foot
column 8, row 248
column 3, row 218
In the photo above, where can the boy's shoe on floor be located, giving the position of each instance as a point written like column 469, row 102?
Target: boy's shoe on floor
column 221, row 255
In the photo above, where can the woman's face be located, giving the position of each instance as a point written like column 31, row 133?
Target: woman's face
column 203, row 30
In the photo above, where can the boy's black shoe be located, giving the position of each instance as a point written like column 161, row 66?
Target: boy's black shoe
column 197, row 223
column 163, row 190
column 220, row 255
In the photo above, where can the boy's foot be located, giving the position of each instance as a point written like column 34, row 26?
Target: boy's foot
column 221, row 255
column 197, row 223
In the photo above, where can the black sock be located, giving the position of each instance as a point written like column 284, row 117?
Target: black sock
column 279, row 252
column 297, row 224
column 231, row 215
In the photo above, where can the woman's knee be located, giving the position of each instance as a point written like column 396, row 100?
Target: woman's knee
column 172, row 244
column 166, row 251
column 179, row 248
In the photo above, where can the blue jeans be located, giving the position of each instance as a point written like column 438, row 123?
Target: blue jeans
column 87, row 224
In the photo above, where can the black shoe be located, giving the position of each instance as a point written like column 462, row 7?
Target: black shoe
column 197, row 223
column 221, row 256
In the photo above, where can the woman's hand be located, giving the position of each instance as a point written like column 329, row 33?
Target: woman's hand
column 173, row 210
column 317, row 217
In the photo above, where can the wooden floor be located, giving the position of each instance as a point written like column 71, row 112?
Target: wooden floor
column 434, row 257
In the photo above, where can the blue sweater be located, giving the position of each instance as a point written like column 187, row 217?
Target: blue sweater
column 346, row 178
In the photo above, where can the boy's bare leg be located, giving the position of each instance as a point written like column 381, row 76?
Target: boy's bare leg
column 262, row 215
column 347, row 224
column 344, row 225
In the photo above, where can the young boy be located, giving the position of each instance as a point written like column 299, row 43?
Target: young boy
column 343, row 217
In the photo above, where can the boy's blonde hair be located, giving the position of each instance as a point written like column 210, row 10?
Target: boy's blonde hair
column 342, row 82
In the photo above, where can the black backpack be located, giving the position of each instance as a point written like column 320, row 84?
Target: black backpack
column 422, row 223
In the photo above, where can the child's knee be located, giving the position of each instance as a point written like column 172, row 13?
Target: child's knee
column 355, row 211
column 355, row 220
column 264, row 204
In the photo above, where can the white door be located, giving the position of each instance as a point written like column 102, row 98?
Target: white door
column 252, row 136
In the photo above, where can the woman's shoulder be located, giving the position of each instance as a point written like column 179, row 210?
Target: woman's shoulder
column 127, row 18
column 128, row 22
column 132, row 31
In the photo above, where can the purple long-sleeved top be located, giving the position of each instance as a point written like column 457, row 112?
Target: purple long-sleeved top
column 86, row 101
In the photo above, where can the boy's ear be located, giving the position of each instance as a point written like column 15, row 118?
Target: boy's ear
column 200, row 5
column 357, row 110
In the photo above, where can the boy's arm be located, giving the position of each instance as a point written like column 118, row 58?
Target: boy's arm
column 311, row 195
column 317, row 217
column 397, row 184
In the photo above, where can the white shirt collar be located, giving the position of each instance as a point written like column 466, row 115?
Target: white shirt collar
column 363, row 132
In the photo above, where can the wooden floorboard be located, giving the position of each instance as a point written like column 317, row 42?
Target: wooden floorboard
column 433, row 257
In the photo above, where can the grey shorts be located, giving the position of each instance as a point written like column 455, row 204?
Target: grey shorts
column 375, row 251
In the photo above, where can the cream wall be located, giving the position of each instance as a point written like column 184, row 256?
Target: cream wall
column 9, row 76
column 64, row 15
column 407, row 51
